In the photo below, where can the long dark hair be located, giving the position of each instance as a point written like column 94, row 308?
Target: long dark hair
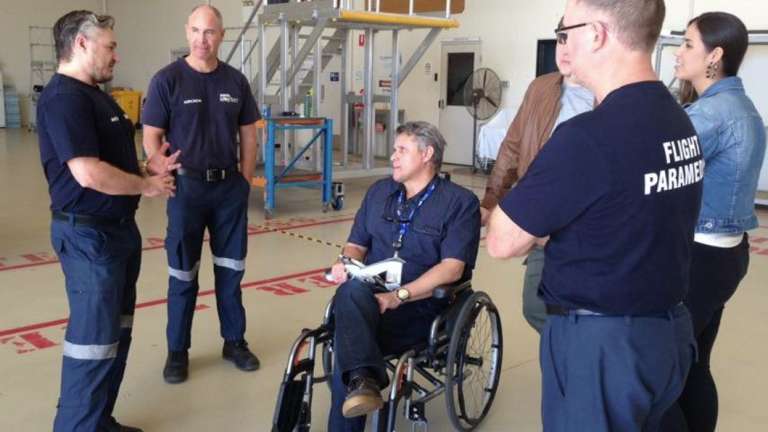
column 724, row 30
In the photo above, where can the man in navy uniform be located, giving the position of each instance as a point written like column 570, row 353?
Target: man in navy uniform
column 620, row 214
column 89, row 159
column 432, row 224
column 201, row 106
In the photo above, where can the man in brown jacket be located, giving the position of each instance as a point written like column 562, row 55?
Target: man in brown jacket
column 550, row 100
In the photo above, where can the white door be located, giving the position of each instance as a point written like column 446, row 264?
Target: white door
column 458, row 60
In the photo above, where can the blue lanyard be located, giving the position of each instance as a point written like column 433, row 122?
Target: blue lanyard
column 405, row 224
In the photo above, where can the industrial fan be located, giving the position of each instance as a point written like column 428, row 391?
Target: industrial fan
column 482, row 97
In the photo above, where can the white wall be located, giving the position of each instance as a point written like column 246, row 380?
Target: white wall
column 148, row 29
column 509, row 30
column 15, row 18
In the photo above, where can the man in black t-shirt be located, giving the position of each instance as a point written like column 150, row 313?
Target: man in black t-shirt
column 202, row 106
column 618, row 192
column 89, row 160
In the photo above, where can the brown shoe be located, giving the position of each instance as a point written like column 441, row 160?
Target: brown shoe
column 364, row 397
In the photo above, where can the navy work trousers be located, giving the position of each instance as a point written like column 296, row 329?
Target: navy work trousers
column 221, row 207
column 613, row 373
column 363, row 336
column 101, row 266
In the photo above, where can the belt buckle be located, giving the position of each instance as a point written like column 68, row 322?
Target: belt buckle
column 214, row 174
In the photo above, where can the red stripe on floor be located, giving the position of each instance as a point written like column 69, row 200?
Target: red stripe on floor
column 47, row 324
column 160, row 246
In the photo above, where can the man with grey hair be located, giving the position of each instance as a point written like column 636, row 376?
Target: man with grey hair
column 430, row 223
column 205, row 107
column 89, row 158
column 617, row 190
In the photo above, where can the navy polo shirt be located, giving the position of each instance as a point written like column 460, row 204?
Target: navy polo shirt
column 618, row 189
column 75, row 119
column 201, row 113
column 447, row 225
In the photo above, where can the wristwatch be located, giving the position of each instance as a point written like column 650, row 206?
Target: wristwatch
column 403, row 294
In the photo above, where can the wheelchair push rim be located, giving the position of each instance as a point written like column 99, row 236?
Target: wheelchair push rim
column 473, row 367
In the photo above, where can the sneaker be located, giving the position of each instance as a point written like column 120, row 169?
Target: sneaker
column 239, row 354
column 176, row 367
column 363, row 397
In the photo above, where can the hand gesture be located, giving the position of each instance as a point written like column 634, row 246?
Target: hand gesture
column 159, row 185
column 159, row 163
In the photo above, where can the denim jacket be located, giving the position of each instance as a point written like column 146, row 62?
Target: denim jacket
column 732, row 138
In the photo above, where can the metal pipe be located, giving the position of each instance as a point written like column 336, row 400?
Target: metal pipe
column 318, row 66
column 394, row 89
column 242, row 59
column 369, row 112
column 242, row 32
column 262, row 59
column 284, row 96
column 344, row 104
column 284, row 35
column 447, row 8
column 410, row 7
column 420, row 50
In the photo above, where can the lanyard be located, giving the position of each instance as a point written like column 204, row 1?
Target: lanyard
column 405, row 224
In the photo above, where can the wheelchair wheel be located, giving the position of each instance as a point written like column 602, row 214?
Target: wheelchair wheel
column 473, row 367
column 327, row 359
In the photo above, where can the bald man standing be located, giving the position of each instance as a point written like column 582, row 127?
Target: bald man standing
column 205, row 108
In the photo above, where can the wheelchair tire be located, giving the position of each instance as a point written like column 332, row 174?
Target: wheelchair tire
column 473, row 367
column 327, row 359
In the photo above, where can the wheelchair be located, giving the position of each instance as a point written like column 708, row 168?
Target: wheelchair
column 461, row 359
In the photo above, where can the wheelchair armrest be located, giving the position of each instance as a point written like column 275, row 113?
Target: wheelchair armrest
column 450, row 291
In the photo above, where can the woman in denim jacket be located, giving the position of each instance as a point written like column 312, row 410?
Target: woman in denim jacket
column 732, row 140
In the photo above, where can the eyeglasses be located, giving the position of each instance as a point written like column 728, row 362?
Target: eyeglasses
column 561, row 33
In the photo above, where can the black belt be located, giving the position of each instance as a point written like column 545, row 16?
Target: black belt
column 89, row 220
column 553, row 309
column 209, row 175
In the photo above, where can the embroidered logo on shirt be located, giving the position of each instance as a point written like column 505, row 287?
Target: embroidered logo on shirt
column 192, row 101
column 227, row 98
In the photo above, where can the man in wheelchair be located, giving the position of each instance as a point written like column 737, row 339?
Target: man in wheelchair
column 431, row 224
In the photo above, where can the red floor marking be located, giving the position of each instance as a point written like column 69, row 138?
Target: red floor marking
column 38, row 340
column 28, row 342
column 286, row 287
column 154, row 243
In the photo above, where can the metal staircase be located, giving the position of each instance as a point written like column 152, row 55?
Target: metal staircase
column 318, row 30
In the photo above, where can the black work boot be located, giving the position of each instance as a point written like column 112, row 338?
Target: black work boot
column 176, row 367
column 239, row 354
column 113, row 426
column 363, row 397
column 124, row 428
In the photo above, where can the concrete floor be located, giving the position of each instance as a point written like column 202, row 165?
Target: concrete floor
column 280, row 298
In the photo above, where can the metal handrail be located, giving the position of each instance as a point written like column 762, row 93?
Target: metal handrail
column 245, row 28
column 369, row 6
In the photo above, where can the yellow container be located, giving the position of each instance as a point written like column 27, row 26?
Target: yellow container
column 130, row 102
